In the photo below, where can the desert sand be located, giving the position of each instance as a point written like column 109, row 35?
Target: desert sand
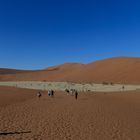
column 123, row 70
column 104, row 110
column 94, row 116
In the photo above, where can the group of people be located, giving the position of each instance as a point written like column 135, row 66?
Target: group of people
column 51, row 93
column 72, row 92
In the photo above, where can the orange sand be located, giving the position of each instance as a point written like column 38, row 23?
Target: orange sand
column 122, row 70
column 94, row 116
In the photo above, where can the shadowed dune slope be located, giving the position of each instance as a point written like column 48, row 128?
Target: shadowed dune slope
column 56, row 73
column 12, row 71
column 117, row 70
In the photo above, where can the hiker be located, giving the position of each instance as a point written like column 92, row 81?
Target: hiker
column 72, row 91
column 52, row 93
column 76, row 95
column 49, row 93
column 66, row 90
column 39, row 94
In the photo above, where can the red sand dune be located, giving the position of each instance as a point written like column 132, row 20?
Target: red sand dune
column 12, row 71
column 117, row 70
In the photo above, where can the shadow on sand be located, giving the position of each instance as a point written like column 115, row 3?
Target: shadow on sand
column 13, row 133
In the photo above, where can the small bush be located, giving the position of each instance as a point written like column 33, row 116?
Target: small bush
column 111, row 83
column 105, row 83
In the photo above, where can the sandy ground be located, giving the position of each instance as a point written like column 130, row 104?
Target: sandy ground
column 94, row 116
column 10, row 95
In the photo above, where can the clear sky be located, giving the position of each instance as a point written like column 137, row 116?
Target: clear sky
column 36, row 34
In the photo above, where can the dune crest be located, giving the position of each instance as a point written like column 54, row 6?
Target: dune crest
column 116, row 70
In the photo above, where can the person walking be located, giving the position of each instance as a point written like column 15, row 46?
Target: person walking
column 49, row 93
column 39, row 94
column 76, row 95
column 52, row 93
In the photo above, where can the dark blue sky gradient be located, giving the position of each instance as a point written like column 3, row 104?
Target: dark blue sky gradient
column 36, row 34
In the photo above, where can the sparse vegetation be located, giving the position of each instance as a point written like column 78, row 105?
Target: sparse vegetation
column 111, row 83
column 105, row 83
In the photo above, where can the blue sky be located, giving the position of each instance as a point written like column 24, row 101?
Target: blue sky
column 35, row 34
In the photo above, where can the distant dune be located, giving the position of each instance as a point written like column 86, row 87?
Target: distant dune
column 12, row 71
column 116, row 70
